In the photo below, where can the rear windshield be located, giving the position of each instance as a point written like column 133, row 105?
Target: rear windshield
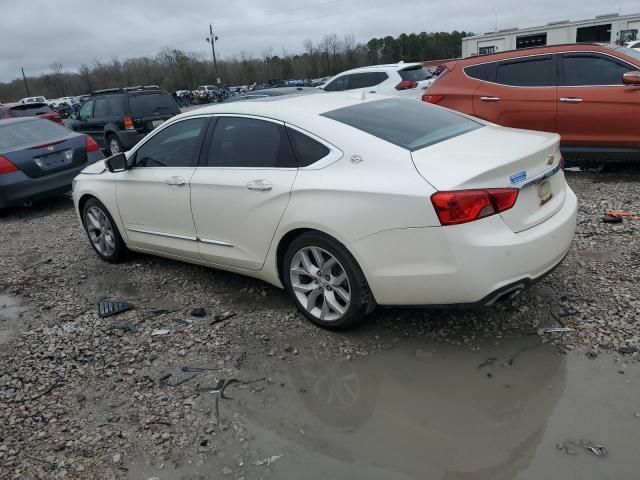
column 416, row 74
column 149, row 104
column 28, row 110
column 15, row 134
column 407, row 123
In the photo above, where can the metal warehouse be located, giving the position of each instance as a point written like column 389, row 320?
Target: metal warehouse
column 611, row 28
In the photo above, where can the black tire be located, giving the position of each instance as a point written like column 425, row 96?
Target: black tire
column 112, row 137
column 361, row 299
column 120, row 251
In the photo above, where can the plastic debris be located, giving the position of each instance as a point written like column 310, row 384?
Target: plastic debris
column 627, row 350
column 107, row 308
column 619, row 213
column 221, row 317
column 159, row 331
column 198, row 312
column 487, row 363
column 591, row 447
column 268, row 461
column 573, row 169
column 609, row 219
column 126, row 326
column 542, row 331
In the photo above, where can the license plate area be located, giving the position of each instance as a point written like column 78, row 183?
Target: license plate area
column 156, row 123
column 55, row 160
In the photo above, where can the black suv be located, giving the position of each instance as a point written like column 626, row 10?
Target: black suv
column 118, row 118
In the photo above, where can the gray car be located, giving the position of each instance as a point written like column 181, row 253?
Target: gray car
column 39, row 158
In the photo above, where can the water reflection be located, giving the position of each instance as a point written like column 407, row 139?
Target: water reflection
column 436, row 411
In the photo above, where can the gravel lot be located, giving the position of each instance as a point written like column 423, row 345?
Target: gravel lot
column 85, row 397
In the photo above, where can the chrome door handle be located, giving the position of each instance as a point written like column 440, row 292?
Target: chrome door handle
column 259, row 186
column 179, row 181
column 490, row 99
column 570, row 100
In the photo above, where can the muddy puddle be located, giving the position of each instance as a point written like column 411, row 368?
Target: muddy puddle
column 425, row 410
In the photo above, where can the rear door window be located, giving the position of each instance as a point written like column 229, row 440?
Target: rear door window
column 100, row 109
column 152, row 104
column 308, row 151
column 592, row 69
column 117, row 105
column 86, row 111
column 528, row 72
column 240, row 142
column 404, row 122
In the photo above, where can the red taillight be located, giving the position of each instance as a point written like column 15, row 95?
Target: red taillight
column 92, row 146
column 406, row 85
column 432, row 98
column 58, row 119
column 464, row 206
column 128, row 123
column 6, row 166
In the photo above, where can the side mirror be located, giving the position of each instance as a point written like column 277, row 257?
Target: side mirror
column 117, row 163
column 631, row 78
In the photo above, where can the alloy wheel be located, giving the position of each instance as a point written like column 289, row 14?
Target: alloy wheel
column 320, row 283
column 114, row 146
column 100, row 231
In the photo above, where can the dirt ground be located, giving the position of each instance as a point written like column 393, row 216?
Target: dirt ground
column 252, row 390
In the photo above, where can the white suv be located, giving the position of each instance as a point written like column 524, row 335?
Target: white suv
column 403, row 79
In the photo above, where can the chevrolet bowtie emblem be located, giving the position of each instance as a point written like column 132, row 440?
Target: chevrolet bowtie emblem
column 550, row 159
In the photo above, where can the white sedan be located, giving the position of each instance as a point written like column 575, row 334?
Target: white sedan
column 346, row 202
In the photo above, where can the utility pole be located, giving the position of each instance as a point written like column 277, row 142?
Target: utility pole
column 25, row 82
column 212, row 40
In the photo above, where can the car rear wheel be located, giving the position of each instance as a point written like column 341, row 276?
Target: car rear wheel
column 114, row 145
column 102, row 232
column 326, row 282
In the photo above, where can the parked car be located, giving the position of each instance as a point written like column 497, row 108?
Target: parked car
column 585, row 92
column 403, row 79
column 39, row 159
column 346, row 203
column 271, row 92
column 33, row 100
column 635, row 45
column 118, row 118
column 42, row 110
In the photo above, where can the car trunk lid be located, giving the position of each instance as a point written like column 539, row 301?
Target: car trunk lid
column 497, row 157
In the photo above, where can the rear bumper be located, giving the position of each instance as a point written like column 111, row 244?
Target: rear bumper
column 16, row 188
column 474, row 263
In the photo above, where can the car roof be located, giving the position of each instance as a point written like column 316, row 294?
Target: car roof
column 523, row 52
column 388, row 66
column 289, row 107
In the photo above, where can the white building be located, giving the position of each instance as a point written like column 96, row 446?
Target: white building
column 613, row 28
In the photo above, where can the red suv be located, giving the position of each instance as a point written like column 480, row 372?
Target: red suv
column 588, row 93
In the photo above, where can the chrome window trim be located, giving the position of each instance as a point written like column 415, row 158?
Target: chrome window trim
column 464, row 69
column 214, row 242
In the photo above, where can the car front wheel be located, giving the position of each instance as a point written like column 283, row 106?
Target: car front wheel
column 114, row 145
column 326, row 282
column 102, row 232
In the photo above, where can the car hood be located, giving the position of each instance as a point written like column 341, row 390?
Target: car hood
column 95, row 168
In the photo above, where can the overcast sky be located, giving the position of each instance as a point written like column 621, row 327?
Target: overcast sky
column 36, row 33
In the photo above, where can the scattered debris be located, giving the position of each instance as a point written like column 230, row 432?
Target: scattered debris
column 268, row 461
column 627, row 350
column 196, row 369
column 593, row 448
column 608, row 219
column 183, row 323
column 107, row 308
column 619, row 213
column 487, row 363
column 221, row 317
column 46, row 260
column 543, row 331
column 198, row 312
column 125, row 326
column 591, row 354
column 159, row 331
column 240, row 360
